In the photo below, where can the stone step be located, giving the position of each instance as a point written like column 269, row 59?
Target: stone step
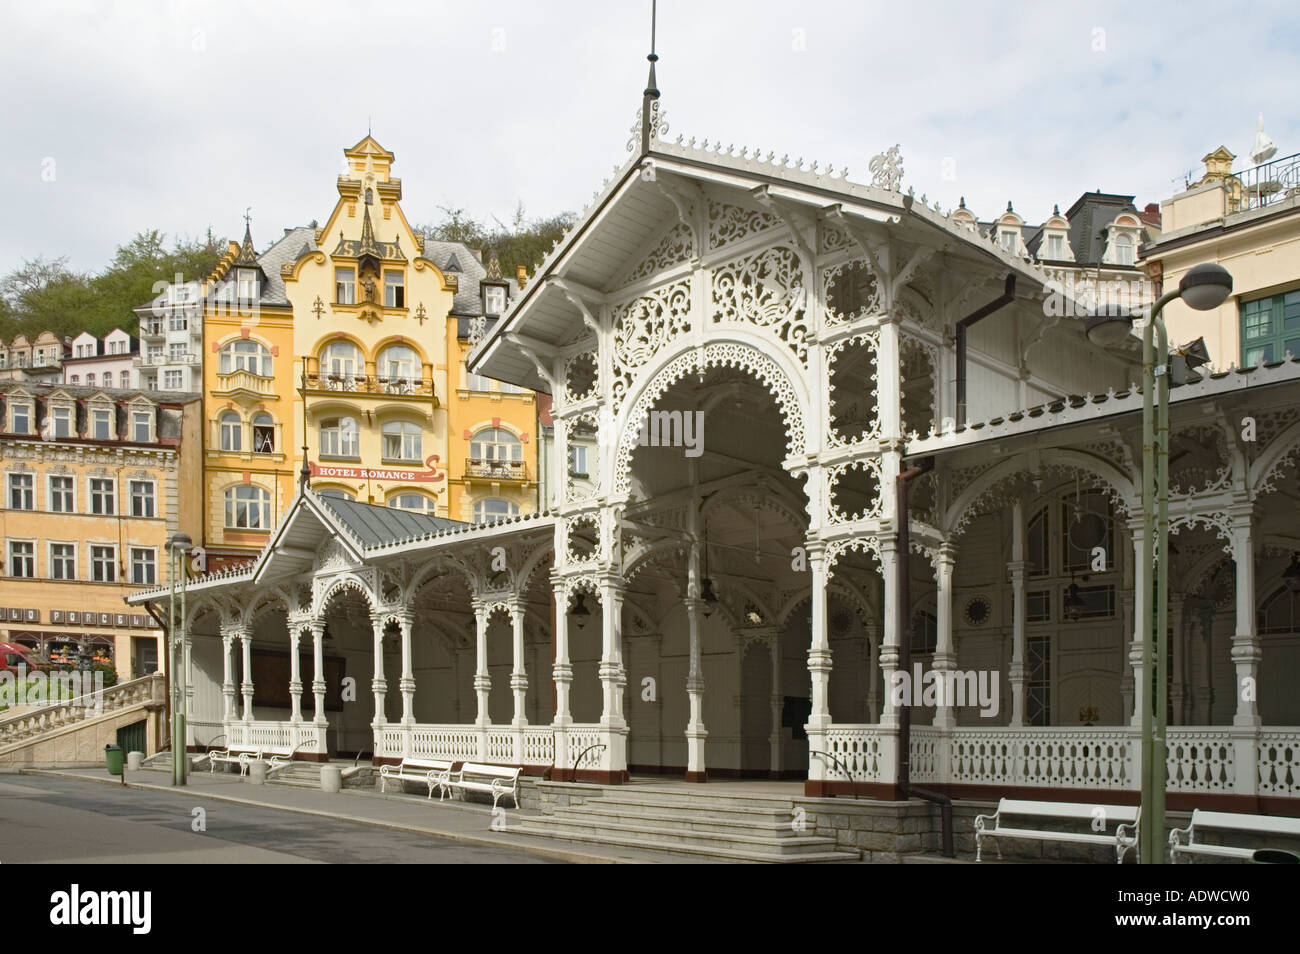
column 697, row 800
column 634, row 835
column 688, row 850
column 776, row 823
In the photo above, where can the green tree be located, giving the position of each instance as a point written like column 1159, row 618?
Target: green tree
column 522, row 241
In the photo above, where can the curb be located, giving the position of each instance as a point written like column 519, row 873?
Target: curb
column 558, row 854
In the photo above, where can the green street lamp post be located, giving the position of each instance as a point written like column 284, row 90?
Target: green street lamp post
column 178, row 547
column 1204, row 287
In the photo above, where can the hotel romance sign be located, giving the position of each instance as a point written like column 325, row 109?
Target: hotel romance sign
column 79, row 618
column 432, row 475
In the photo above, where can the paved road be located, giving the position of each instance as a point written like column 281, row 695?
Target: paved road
column 45, row 819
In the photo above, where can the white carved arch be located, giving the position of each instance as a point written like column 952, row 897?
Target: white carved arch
column 730, row 346
column 1282, row 450
column 1015, row 466
column 346, row 581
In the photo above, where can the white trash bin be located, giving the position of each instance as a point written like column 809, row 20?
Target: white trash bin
column 331, row 778
column 257, row 772
column 134, row 761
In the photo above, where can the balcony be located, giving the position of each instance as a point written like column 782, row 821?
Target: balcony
column 154, row 360
column 369, row 384
column 245, row 384
column 153, row 329
column 516, row 470
column 1269, row 184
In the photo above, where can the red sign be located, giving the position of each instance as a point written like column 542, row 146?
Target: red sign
column 379, row 473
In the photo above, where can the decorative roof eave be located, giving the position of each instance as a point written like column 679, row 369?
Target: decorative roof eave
column 1090, row 408
column 474, row 534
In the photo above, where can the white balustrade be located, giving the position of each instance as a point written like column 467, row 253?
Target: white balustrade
column 853, row 752
column 1046, row 757
column 1279, row 762
column 1199, row 759
column 539, row 745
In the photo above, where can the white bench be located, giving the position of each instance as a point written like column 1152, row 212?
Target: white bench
column 495, row 780
column 429, row 771
column 1227, row 821
column 246, row 755
column 1122, row 839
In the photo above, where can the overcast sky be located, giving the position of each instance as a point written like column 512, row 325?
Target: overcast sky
column 120, row 117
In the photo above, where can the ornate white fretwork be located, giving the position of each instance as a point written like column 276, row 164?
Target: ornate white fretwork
column 850, row 285
column 887, row 169
column 643, row 326
column 836, row 482
column 765, row 289
column 847, row 397
column 730, row 223
column 674, row 248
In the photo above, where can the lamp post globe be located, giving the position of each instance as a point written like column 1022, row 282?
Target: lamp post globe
column 1109, row 325
column 1205, row 286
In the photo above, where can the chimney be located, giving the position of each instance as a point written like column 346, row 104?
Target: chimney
column 478, row 253
column 521, row 276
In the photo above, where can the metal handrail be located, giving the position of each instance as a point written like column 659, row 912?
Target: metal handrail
column 843, row 767
column 289, row 759
column 583, row 754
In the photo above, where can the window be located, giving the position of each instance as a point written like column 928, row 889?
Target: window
column 394, row 290
column 1038, row 606
column 103, row 564
column 1055, row 247
column 1008, row 240
column 479, row 383
column 1087, row 526
column 1037, row 557
column 492, row 509
column 76, row 379
column 1123, row 249
column 141, row 426
column 63, row 561
column 63, row 418
column 21, row 492
column 247, row 284
column 1270, row 327
column 1038, row 704
column 578, row 462
column 142, row 498
column 155, row 354
column 337, row 494
column 22, row 558
column 417, row 502
column 90, row 380
column 1279, row 614
column 402, row 441
column 61, row 495
column 345, row 286
column 508, row 388
column 245, row 355
column 495, row 299
column 398, row 366
column 178, row 321
column 232, row 432
column 143, row 566
column 176, row 352
column 340, row 363
column 1098, row 601
column 338, row 437
column 496, row 444
column 248, row 508
column 263, row 434
column 925, row 633
column 22, row 418
column 102, row 492
column 172, row 380
column 100, row 424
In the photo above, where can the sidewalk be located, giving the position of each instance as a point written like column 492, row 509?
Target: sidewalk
column 458, row 821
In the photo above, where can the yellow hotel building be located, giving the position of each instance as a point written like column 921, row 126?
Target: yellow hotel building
column 347, row 342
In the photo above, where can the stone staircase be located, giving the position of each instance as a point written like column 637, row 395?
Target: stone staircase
column 684, row 826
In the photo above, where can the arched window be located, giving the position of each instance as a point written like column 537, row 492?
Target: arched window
column 263, row 434
column 90, row 380
column 496, row 444
column 398, row 368
column 1123, row 249
column 485, row 511
column 1280, row 613
column 341, row 363
column 338, row 437
column 232, row 432
column 248, row 508
column 338, row 494
column 402, row 441
column 245, row 355
column 420, row 503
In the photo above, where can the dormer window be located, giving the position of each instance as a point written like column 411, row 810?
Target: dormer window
column 141, row 426
column 101, row 424
column 62, row 418
column 1008, row 242
column 394, row 290
column 22, row 418
column 247, row 284
column 1123, row 250
column 494, row 302
column 1055, row 247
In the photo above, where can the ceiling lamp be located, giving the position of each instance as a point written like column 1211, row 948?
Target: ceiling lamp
column 580, row 613
column 1073, row 603
column 709, row 597
column 1291, row 575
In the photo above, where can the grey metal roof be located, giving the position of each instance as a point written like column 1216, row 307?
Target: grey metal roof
column 373, row 524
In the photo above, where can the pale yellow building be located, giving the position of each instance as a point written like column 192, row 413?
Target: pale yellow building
column 94, row 482
column 1248, row 222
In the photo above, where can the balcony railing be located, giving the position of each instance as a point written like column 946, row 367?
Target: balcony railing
column 245, row 381
column 1269, row 183
column 496, row 469
column 370, row 384
column 159, row 359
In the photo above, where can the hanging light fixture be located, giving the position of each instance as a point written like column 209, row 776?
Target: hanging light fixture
column 1073, row 603
column 709, row 598
column 580, row 613
column 1291, row 575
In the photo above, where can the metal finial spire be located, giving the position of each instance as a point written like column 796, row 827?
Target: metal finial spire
column 651, row 95
column 304, row 475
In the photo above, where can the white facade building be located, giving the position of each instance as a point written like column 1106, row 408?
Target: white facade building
column 171, row 340
column 109, row 362
column 761, row 348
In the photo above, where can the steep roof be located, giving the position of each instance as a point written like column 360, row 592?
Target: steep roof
column 373, row 524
